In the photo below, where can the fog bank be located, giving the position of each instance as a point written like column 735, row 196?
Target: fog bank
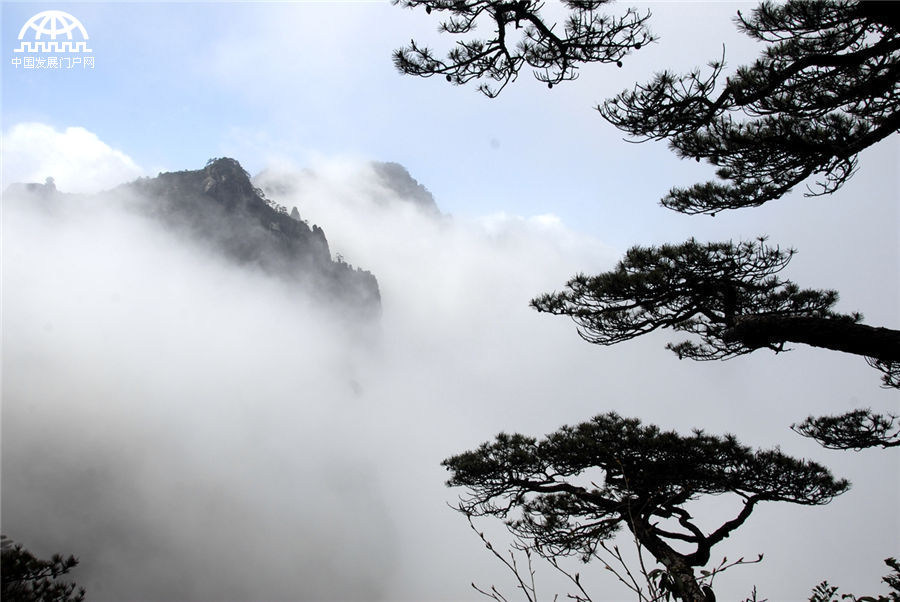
column 197, row 430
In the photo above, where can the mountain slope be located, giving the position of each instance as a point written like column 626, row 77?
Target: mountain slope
column 388, row 185
column 220, row 206
column 397, row 179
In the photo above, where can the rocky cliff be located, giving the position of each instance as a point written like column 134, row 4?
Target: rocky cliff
column 220, row 206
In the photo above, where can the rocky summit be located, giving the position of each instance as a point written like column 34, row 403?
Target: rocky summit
column 220, row 206
column 398, row 180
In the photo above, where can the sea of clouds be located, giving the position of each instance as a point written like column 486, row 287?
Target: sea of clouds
column 197, row 430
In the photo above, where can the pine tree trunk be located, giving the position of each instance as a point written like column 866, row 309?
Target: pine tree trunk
column 830, row 333
column 685, row 583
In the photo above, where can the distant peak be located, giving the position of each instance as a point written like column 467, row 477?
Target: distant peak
column 397, row 179
column 226, row 168
column 225, row 173
column 45, row 190
column 224, row 164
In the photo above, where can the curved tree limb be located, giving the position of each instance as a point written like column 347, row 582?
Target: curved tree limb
column 521, row 36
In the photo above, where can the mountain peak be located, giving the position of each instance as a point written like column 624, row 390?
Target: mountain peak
column 398, row 179
column 220, row 206
column 225, row 176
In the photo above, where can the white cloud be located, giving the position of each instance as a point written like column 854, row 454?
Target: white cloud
column 75, row 158
column 166, row 411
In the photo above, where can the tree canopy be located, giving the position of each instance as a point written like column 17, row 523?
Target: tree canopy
column 828, row 593
column 858, row 429
column 826, row 87
column 729, row 295
column 27, row 578
column 522, row 36
column 648, row 478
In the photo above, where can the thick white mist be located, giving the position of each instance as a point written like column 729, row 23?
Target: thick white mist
column 196, row 430
column 75, row 157
column 186, row 427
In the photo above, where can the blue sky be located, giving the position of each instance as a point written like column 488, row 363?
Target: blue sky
column 176, row 84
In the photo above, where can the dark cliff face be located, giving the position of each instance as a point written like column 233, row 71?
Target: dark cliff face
column 219, row 206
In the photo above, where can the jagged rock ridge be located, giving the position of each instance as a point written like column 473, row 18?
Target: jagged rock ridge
column 396, row 178
column 393, row 186
column 220, row 206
